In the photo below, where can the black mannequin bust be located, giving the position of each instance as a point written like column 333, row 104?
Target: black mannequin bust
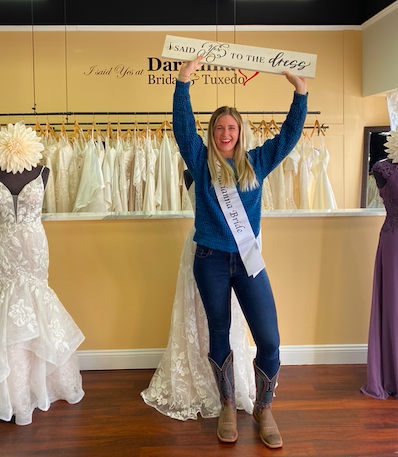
column 188, row 178
column 16, row 182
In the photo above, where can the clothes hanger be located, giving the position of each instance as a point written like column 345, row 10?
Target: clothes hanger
column 143, row 133
column 76, row 128
column 109, row 131
column 89, row 135
column 255, row 129
column 128, row 135
column 265, row 128
column 158, row 132
column 63, row 130
column 163, row 126
column 38, row 128
column 49, row 132
column 77, row 132
column 90, row 132
column 169, row 126
column 199, row 126
column 97, row 130
column 317, row 128
column 118, row 130
column 272, row 125
column 135, row 128
column 305, row 136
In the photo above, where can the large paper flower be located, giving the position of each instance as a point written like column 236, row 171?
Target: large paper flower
column 20, row 148
column 392, row 145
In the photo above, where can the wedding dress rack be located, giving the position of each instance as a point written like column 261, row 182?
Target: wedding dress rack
column 99, row 172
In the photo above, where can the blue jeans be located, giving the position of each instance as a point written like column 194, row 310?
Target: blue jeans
column 216, row 274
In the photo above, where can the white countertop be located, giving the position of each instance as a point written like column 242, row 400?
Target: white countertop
column 189, row 214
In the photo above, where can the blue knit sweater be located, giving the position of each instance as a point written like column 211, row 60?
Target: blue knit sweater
column 211, row 227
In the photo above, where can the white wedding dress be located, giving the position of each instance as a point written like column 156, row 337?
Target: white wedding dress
column 183, row 384
column 38, row 338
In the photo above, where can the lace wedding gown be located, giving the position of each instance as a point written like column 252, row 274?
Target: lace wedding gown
column 38, row 338
column 183, row 384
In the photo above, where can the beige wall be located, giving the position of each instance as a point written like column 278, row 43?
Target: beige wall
column 63, row 81
column 117, row 278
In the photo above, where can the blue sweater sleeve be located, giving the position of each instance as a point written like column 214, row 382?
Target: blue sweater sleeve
column 268, row 156
column 192, row 149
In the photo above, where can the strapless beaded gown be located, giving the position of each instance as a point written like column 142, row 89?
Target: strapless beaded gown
column 38, row 338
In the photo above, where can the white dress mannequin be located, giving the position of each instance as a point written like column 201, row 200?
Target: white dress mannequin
column 183, row 385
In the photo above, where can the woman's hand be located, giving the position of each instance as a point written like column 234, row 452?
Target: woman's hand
column 300, row 84
column 189, row 67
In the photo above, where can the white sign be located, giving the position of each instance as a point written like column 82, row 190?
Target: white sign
column 240, row 57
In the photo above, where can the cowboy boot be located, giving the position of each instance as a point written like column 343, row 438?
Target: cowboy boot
column 226, row 428
column 262, row 413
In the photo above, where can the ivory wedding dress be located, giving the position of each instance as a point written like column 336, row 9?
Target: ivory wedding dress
column 183, row 384
column 38, row 338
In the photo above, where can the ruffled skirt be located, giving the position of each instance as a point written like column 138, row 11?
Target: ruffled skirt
column 38, row 342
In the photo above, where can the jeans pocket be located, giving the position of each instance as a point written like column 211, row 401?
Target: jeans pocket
column 202, row 251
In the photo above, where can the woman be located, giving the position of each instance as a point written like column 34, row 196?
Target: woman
column 228, row 186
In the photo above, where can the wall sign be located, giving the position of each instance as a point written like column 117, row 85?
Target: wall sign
column 240, row 57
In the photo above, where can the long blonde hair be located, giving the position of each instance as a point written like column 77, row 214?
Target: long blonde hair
column 244, row 171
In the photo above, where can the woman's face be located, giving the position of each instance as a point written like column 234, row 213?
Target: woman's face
column 226, row 135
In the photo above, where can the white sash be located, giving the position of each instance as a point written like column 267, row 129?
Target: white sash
column 234, row 212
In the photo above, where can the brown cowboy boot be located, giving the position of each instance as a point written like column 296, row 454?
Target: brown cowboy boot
column 265, row 387
column 226, row 429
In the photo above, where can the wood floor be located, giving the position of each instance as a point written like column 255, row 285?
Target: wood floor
column 319, row 409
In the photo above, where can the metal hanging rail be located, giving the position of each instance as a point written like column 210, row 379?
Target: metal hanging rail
column 136, row 113
column 68, row 114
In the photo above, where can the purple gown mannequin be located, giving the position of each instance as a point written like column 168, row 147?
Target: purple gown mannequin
column 382, row 364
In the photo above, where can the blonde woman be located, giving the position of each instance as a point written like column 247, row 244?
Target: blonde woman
column 228, row 186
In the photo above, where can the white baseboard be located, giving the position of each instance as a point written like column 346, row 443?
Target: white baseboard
column 334, row 354
column 324, row 354
column 119, row 359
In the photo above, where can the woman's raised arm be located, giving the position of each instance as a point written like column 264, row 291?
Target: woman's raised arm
column 189, row 67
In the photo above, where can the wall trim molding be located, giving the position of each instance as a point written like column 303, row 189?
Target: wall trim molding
column 178, row 28
column 383, row 13
column 329, row 354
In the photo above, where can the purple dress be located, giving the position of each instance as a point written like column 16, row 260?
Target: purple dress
column 382, row 368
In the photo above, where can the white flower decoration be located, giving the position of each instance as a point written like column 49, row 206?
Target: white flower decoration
column 20, row 148
column 392, row 145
